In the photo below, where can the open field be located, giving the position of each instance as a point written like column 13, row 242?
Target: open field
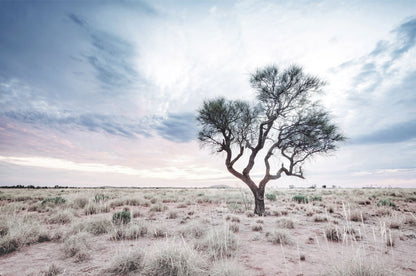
column 207, row 232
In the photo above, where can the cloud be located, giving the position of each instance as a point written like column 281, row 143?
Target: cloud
column 111, row 57
column 178, row 127
column 190, row 172
column 396, row 133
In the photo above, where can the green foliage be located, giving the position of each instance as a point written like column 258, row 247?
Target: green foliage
column 271, row 197
column 300, row 199
column 100, row 197
column 122, row 217
column 386, row 202
column 54, row 200
column 316, row 198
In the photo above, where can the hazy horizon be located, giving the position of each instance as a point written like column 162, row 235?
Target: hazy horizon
column 104, row 93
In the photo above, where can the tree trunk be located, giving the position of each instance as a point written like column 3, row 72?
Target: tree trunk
column 259, row 202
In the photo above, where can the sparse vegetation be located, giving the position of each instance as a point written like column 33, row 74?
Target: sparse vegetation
column 219, row 236
column 300, row 199
column 122, row 217
column 279, row 236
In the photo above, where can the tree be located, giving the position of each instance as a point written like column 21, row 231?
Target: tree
column 285, row 124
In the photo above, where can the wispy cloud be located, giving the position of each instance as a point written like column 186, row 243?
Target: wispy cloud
column 178, row 127
column 190, row 172
column 111, row 56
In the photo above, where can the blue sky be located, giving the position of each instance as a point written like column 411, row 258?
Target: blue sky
column 105, row 92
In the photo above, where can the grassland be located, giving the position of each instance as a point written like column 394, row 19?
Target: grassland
column 207, row 232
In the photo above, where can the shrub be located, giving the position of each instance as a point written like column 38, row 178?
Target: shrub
column 98, row 226
column 234, row 227
column 316, row 198
column 122, row 217
column 285, row 223
column 333, row 233
column 53, row 270
column 100, row 197
column 271, row 197
column 386, row 202
column 173, row 258
column 80, row 202
column 158, row 207
column 131, row 231
column 54, row 200
column 219, row 243
column 319, row 218
column 127, row 261
column 356, row 215
column 8, row 245
column 77, row 246
column 300, row 199
column 194, row 229
column 257, row 227
column 60, row 218
column 279, row 236
column 91, row 209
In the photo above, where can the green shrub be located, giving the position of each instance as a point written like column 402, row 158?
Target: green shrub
column 386, row 202
column 122, row 217
column 100, row 197
column 316, row 198
column 54, row 200
column 300, row 199
column 271, row 197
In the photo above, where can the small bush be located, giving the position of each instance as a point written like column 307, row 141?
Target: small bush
column 8, row 245
column 100, row 198
column 316, row 198
column 234, row 227
column 130, row 231
column 91, row 209
column 173, row 258
column 122, row 217
column 319, row 218
column 98, row 226
column 386, row 202
column 257, row 227
column 285, row 223
column 279, row 236
column 271, row 197
column 53, row 270
column 333, row 233
column 77, row 246
column 194, row 229
column 54, row 200
column 80, row 202
column 219, row 243
column 300, row 199
column 127, row 261
column 356, row 215
column 60, row 218
column 158, row 207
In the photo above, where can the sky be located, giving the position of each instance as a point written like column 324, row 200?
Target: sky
column 105, row 93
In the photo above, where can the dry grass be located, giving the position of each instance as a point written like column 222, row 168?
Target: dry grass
column 279, row 236
column 77, row 246
column 212, row 238
column 173, row 258
column 127, row 261
column 285, row 223
column 219, row 243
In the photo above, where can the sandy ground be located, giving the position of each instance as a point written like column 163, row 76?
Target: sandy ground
column 310, row 253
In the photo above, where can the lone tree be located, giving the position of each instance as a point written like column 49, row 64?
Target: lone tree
column 286, row 124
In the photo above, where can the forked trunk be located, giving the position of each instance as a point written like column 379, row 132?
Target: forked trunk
column 259, row 202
